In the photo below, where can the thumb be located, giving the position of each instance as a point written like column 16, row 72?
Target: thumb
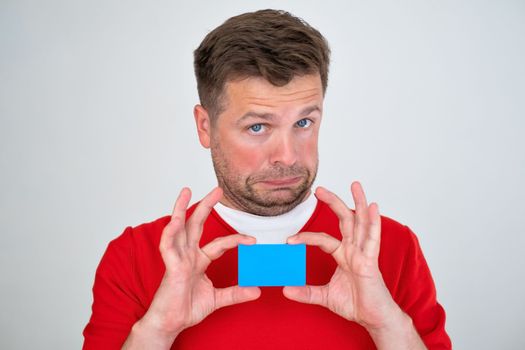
column 235, row 295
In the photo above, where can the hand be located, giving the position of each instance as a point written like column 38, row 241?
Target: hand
column 356, row 291
column 186, row 295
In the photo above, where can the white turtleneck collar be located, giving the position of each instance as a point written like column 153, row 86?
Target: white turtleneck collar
column 269, row 229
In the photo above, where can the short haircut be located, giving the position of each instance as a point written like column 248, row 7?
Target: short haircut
column 272, row 44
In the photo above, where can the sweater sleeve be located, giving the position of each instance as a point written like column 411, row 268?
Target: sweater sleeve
column 116, row 306
column 417, row 297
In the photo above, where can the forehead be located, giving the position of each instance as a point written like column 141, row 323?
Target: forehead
column 258, row 93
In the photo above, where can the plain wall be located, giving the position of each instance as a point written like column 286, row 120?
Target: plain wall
column 425, row 107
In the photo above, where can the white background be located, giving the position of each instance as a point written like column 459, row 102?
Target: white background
column 425, row 107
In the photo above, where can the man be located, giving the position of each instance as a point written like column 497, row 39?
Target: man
column 261, row 78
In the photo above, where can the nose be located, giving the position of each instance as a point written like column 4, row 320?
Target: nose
column 285, row 150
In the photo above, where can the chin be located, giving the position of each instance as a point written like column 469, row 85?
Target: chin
column 282, row 197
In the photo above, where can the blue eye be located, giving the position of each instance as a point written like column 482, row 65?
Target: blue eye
column 303, row 123
column 256, row 128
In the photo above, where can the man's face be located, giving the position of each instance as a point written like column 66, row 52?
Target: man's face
column 264, row 143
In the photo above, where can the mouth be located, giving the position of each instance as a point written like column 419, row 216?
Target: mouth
column 282, row 182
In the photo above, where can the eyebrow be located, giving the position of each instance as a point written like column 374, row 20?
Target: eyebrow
column 269, row 116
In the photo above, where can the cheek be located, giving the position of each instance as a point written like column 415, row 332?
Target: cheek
column 308, row 150
column 246, row 159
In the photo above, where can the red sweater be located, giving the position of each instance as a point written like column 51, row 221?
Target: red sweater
column 132, row 268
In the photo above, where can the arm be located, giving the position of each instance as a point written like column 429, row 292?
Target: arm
column 357, row 290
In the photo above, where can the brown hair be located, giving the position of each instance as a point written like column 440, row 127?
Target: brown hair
column 272, row 44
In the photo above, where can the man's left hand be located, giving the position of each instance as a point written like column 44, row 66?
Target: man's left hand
column 356, row 290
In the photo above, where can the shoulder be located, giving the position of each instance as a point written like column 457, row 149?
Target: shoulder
column 139, row 242
column 395, row 232
column 143, row 235
column 400, row 247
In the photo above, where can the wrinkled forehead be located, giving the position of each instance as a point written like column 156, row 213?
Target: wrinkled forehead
column 258, row 93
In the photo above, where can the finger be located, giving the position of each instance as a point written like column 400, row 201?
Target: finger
column 235, row 295
column 199, row 216
column 327, row 243
column 181, row 204
column 218, row 246
column 344, row 214
column 167, row 241
column 373, row 240
column 361, row 216
column 179, row 212
column 307, row 294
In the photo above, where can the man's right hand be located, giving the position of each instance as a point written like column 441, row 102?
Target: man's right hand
column 186, row 295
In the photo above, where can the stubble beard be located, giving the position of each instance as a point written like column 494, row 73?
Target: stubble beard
column 242, row 192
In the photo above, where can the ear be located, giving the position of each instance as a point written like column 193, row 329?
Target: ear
column 202, row 121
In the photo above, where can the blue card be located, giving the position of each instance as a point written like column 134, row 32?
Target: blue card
column 272, row 265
